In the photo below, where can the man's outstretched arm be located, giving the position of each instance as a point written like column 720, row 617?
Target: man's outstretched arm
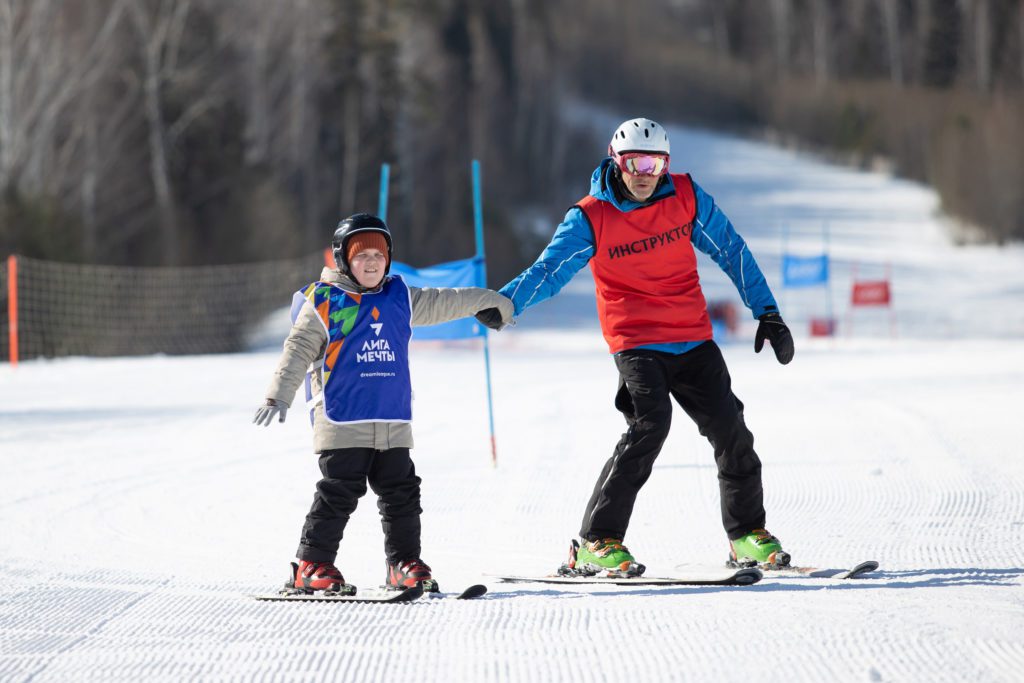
column 570, row 249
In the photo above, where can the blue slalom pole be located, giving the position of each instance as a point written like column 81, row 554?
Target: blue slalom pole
column 382, row 202
column 828, row 283
column 478, row 224
column 785, row 253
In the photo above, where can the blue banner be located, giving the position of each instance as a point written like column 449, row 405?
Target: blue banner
column 804, row 271
column 465, row 273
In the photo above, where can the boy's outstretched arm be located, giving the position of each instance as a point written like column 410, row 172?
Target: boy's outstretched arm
column 304, row 344
column 434, row 305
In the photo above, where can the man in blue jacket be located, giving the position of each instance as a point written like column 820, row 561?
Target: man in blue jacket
column 638, row 229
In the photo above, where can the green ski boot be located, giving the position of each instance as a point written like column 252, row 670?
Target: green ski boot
column 604, row 557
column 758, row 548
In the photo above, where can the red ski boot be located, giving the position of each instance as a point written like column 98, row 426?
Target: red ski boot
column 409, row 573
column 319, row 576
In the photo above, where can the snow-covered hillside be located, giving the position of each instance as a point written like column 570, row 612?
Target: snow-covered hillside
column 140, row 507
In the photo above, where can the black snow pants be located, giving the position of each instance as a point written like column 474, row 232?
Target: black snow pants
column 699, row 381
column 346, row 471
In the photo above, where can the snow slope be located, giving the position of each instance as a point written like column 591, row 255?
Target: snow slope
column 140, row 506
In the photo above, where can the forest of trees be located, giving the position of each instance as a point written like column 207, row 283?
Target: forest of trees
column 184, row 132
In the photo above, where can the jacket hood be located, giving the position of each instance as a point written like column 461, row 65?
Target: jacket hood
column 601, row 187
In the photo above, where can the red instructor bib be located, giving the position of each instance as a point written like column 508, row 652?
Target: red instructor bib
column 645, row 271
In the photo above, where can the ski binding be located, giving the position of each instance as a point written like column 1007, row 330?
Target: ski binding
column 299, row 595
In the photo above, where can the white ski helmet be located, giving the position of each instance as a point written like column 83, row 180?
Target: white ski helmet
column 639, row 135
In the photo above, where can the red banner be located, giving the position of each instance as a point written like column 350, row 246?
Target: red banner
column 871, row 293
column 823, row 327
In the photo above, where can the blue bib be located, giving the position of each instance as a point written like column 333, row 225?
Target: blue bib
column 366, row 364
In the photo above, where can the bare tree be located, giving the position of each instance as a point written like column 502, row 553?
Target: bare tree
column 481, row 75
column 820, row 18
column 1020, row 38
column 161, row 29
column 780, row 34
column 720, row 29
column 894, row 48
column 539, row 89
column 981, row 16
column 7, row 51
column 255, row 27
column 919, row 31
column 160, row 26
column 52, row 70
column 351, row 121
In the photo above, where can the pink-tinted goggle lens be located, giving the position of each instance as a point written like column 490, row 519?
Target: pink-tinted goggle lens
column 644, row 164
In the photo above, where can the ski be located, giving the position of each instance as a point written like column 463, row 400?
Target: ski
column 727, row 577
column 407, row 595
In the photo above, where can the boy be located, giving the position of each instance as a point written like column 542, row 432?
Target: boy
column 353, row 326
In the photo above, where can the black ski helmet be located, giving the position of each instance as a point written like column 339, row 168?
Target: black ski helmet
column 360, row 222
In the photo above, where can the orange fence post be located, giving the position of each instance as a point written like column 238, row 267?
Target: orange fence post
column 12, row 307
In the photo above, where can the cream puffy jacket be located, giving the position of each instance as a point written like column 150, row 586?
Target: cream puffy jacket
column 307, row 341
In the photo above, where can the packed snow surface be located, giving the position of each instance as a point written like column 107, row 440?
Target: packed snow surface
column 141, row 508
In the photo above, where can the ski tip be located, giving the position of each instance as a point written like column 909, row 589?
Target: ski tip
column 748, row 576
column 474, row 591
column 865, row 567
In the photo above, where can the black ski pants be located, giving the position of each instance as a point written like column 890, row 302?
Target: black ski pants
column 699, row 381
column 346, row 471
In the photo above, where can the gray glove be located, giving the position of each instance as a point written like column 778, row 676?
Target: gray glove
column 266, row 413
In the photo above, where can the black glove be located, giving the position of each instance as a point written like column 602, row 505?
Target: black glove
column 490, row 317
column 775, row 331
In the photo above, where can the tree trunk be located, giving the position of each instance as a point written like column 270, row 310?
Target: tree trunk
column 302, row 128
column 982, row 44
column 357, row 29
column 479, row 77
column 890, row 14
column 720, row 28
column 159, row 34
column 780, row 24
column 922, row 27
column 6, row 92
column 89, row 181
column 257, row 130
column 159, row 169
column 350, row 172
column 1020, row 36
column 821, row 47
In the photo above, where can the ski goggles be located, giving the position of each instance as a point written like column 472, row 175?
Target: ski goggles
column 642, row 163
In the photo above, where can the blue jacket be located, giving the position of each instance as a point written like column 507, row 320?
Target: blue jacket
column 573, row 245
